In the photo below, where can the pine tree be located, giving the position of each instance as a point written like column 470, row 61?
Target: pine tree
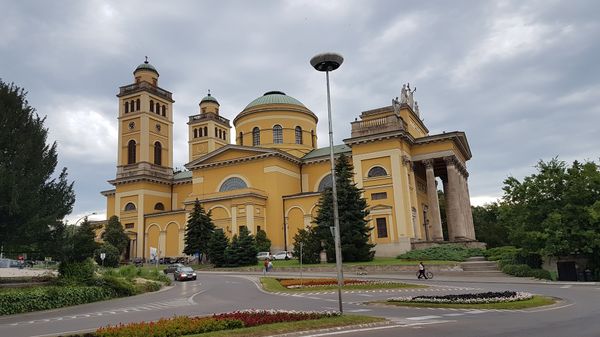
column 311, row 245
column 32, row 202
column 232, row 258
column 247, row 248
column 352, row 207
column 263, row 244
column 198, row 231
column 115, row 234
column 217, row 246
column 83, row 242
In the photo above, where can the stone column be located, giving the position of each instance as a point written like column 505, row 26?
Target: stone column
column 434, row 205
column 453, row 207
column 469, row 215
column 449, row 224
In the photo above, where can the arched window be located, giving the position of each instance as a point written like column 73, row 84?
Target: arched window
column 224, row 135
column 241, row 138
column 131, row 152
column 255, row 136
column 137, row 105
column 298, row 135
column 377, row 171
column 157, row 108
column 159, row 206
column 195, row 133
column 164, row 110
column 312, row 138
column 205, row 131
column 157, row 153
column 129, row 207
column 151, row 106
column 215, row 132
column 131, row 105
column 233, row 183
column 326, row 182
column 221, row 134
column 277, row 134
column 126, row 107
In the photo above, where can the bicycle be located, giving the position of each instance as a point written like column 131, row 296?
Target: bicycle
column 428, row 274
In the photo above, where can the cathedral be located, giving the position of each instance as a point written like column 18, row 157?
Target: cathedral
column 272, row 174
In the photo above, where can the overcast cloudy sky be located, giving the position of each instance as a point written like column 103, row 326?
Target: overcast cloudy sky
column 521, row 78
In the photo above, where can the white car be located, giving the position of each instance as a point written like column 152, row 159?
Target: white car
column 263, row 255
column 282, row 255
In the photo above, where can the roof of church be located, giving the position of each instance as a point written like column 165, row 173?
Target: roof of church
column 274, row 97
column 146, row 66
column 324, row 151
column 209, row 98
column 182, row 175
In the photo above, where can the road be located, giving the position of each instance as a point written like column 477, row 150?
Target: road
column 576, row 315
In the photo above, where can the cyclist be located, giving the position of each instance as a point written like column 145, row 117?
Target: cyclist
column 422, row 271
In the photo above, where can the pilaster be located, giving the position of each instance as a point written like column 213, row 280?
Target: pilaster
column 433, row 201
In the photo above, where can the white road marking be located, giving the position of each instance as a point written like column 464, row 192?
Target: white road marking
column 359, row 310
column 566, row 286
column 475, row 312
column 452, row 315
column 420, row 318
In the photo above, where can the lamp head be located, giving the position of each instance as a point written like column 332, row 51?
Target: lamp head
column 326, row 61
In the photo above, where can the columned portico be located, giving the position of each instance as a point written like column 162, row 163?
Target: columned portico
column 432, row 198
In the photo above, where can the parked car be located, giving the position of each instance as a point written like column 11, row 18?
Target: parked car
column 282, row 255
column 173, row 268
column 263, row 255
column 185, row 273
column 165, row 260
column 138, row 261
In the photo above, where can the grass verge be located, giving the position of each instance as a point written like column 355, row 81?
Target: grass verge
column 281, row 328
column 272, row 285
column 535, row 301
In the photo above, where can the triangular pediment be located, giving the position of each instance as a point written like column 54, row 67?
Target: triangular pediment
column 232, row 153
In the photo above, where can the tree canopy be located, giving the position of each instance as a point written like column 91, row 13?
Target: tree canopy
column 115, row 234
column 33, row 200
column 352, row 208
column 555, row 211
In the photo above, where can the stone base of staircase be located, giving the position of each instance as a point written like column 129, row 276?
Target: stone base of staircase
column 479, row 266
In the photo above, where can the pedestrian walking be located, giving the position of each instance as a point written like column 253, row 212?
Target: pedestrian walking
column 270, row 266
column 266, row 266
column 422, row 271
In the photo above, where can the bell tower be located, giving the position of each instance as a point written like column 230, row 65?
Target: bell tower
column 145, row 127
column 207, row 131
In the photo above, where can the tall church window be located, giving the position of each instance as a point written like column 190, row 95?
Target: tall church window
column 312, row 138
column 126, row 107
column 255, row 136
column 131, row 105
column 195, row 133
column 205, row 131
column 233, row 183
column 224, row 135
column 220, row 134
column 241, row 138
column 151, row 106
column 216, row 133
column 164, row 111
column 377, row 171
column 131, row 152
column 157, row 153
column 157, row 108
column 326, row 182
column 129, row 207
column 277, row 134
column 381, row 228
column 137, row 105
column 298, row 135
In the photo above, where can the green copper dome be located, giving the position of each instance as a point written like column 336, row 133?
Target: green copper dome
column 274, row 97
column 146, row 66
column 209, row 98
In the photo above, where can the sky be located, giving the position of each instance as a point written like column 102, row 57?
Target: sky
column 521, row 78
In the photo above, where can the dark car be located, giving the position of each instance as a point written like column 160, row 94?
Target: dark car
column 172, row 268
column 185, row 273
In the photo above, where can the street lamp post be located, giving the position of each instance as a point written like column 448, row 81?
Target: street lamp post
column 329, row 62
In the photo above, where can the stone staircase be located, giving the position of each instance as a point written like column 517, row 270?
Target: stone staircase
column 479, row 266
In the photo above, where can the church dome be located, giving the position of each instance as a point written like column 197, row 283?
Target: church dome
column 146, row 66
column 209, row 98
column 274, row 97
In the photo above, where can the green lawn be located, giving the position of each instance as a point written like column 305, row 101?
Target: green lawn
column 536, row 301
column 272, row 285
column 288, row 327
column 378, row 261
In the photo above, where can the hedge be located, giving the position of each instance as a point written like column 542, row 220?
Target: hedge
column 523, row 270
column 16, row 301
column 444, row 252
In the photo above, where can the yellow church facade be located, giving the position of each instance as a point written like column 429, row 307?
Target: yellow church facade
column 269, row 174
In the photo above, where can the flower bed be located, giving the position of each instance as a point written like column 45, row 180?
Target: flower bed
column 478, row 298
column 183, row 325
column 323, row 282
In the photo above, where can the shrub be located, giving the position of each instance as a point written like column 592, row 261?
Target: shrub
column 120, row 286
column 512, row 255
column 15, row 301
column 519, row 270
column 443, row 252
column 146, row 287
column 541, row 274
column 112, row 255
column 76, row 272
